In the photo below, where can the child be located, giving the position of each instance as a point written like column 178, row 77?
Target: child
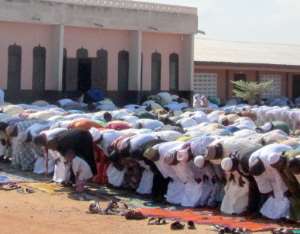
column 80, row 168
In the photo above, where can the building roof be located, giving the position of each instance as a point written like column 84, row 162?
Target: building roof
column 104, row 14
column 129, row 4
column 214, row 51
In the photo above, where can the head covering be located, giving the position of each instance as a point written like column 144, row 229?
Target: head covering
column 152, row 154
column 227, row 164
column 199, row 161
column 96, row 134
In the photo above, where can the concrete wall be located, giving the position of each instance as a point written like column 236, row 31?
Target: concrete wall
column 94, row 39
column 165, row 44
column 27, row 36
column 56, row 37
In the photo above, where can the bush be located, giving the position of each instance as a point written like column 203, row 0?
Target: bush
column 250, row 91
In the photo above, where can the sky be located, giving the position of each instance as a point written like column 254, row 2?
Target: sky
column 275, row 21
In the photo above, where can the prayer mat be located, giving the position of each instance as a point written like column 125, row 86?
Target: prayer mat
column 209, row 218
column 50, row 188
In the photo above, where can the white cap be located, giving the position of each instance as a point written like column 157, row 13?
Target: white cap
column 199, row 161
column 227, row 164
column 96, row 134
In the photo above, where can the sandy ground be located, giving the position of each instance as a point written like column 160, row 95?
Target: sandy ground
column 43, row 213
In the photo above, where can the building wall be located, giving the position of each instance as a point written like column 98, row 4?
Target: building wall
column 165, row 44
column 226, row 75
column 94, row 39
column 27, row 36
column 56, row 37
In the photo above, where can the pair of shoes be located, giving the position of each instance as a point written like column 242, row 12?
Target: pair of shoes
column 95, row 208
column 178, row 226
column 157, row 221
column 134, row 215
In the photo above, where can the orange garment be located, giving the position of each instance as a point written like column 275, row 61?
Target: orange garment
column 102, row 164
column 85, row 124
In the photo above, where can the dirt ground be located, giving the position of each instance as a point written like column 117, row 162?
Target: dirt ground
column 43, row 213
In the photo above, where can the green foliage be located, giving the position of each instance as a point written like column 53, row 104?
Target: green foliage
column 250, row 91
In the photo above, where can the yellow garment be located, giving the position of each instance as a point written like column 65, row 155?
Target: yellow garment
column 184, row 138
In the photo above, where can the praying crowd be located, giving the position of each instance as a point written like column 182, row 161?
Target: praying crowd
column 241, row 159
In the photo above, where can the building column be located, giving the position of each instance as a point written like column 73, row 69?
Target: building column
column 58, row 55
column 135, row 60
column 187, row 60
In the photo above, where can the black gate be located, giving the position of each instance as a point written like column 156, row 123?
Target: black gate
column 39, row 68
column 155, row 71
column 123, row 70
column 14, row 68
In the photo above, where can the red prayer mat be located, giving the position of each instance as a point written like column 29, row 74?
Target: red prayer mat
column 209, row 218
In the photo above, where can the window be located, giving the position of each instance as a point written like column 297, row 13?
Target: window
column 155, row 71
column 123, row 70
column 275, row 90
column 39, row 68
column 100, row 66
column 14, row 67
column 174, row 72
column 82, row 53
column 206, row 84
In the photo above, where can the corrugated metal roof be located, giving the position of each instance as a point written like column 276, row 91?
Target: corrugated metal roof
column 207, row 50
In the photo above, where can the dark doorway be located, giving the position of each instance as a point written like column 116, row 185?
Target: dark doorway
column 14, row 68
column 155, row 72
column 123, row 71
column 64, row 75
column 174, row 72
column 296, row 86
column 39, row 68
column 240, row 76
column 84, row 74
column 99, row 70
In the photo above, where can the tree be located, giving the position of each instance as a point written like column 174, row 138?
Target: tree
column 250, row 91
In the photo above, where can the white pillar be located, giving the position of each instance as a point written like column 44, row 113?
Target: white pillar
column 135, row 60
column 187, row 75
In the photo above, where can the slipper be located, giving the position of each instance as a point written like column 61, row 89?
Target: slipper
column 134, row 215
column 151, row 221
column 95, row 208
column 157, row 221
column 177, row 226
column 191, row 225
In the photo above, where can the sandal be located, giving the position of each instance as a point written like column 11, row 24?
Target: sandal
column 191, row 225
column 95, row 208
column 157, row 221
column 177, row 226
column 134, row 215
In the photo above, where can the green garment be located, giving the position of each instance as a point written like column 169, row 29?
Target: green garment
column 282, row 126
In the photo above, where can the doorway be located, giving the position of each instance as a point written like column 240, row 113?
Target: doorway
column 296, row 86
column 240, row 76
column 84, row 74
